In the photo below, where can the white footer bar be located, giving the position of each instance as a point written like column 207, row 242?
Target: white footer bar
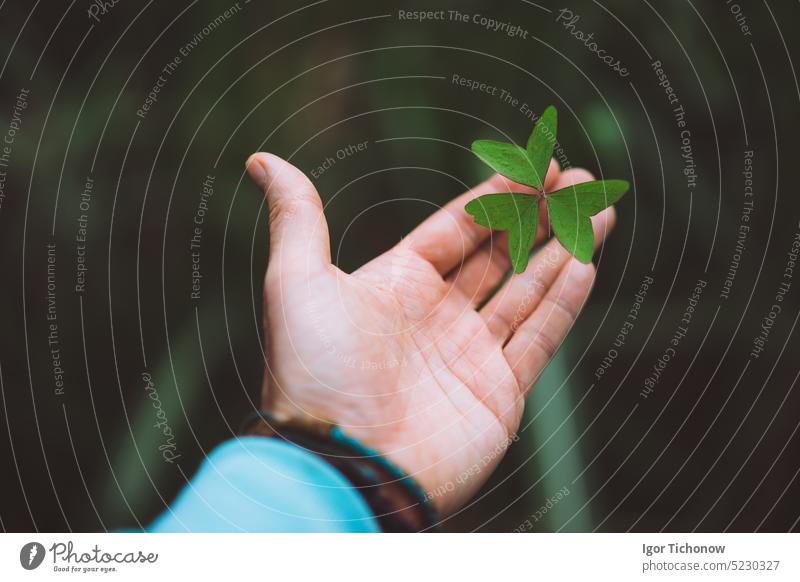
column 485, row 557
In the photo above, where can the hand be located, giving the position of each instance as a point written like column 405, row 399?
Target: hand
column 396, row 353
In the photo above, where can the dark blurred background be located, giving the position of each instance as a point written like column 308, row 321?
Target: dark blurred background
column 93, row 331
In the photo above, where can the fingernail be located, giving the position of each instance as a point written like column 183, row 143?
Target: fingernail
column 256, row 171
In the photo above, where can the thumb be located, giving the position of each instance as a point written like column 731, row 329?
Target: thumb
column 298, row 231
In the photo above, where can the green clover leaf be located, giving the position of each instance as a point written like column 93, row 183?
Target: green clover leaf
column 570, row 208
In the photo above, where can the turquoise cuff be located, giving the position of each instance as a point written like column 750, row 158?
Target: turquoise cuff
column 257, row 484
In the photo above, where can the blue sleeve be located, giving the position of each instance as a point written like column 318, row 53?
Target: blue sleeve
column 257, row 484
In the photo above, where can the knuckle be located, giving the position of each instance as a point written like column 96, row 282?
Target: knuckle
column 566, row 309
column 279, row 209
column 544, row 343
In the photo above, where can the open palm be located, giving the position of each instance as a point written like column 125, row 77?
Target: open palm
column 397, row 353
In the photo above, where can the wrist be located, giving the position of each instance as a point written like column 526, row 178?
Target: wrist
column 429, row 473
column 397, row 501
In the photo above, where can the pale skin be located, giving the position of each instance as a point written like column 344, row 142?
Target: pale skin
column 397, row 353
